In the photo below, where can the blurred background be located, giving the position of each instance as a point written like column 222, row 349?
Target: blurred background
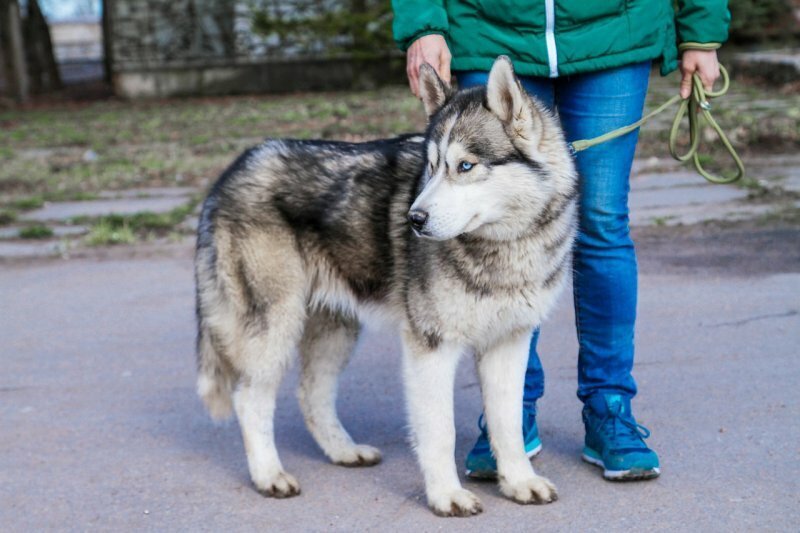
column 150, row 48
column 99, row 97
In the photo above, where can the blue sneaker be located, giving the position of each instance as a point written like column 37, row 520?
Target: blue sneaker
column 480, row 461
column 615, row 442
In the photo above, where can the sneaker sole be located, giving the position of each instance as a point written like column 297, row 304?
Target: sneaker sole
column 485, row 474
column 634, row 474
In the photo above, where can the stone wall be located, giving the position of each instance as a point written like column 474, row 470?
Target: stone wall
column 182, row 47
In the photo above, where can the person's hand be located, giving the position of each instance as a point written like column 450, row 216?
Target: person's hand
column 431, row 49
column 702, row 62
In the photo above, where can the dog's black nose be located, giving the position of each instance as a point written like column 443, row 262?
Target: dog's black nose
column 417, row 218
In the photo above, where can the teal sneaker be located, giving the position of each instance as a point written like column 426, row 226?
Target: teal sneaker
column 615, row 442
column 480, row 461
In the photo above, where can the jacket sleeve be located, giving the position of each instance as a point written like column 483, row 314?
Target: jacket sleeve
column 702, row 23
column 416, row 18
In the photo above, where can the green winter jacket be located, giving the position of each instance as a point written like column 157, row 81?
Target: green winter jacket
column 562, row 37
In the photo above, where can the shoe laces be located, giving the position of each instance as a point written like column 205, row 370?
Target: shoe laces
column 623, row 431
column 482, row 425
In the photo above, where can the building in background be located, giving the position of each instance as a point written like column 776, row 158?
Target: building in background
column 78, row 47
column 185, row 47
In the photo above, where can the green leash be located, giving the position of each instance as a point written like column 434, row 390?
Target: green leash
column 698, row 101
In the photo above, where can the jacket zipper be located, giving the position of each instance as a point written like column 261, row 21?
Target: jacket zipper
column 550, row 37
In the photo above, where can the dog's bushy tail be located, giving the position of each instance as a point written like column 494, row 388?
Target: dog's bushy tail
column 215, row 377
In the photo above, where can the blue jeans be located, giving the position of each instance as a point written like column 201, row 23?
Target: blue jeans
column 604, row 264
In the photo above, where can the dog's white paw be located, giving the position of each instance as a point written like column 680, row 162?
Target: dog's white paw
column 460, row 502
column 281, row 485
column 358, row 455
column 536, row 490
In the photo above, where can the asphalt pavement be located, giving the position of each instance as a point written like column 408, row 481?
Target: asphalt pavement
column 100, row 428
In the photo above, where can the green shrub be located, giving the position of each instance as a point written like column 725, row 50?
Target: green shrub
column 104, row 233
column 7, row 216
column 28, row 203
column 759, row 20
column 38, row 231
column 359, row 28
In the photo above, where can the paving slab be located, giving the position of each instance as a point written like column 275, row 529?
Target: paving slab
column 787, row 178
column 144, row 192
column 664, row 180
column 695, row 214
column 101, row 429
column 686, row 196
column 29, row 249
column 190, row 224
column 652, row 164
column 96, row 208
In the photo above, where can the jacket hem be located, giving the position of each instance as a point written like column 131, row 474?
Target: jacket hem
column 522, row 68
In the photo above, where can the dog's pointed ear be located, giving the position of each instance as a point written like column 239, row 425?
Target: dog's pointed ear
column 432, row 90
column 506, row 98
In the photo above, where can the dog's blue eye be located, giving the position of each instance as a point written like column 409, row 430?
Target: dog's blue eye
column 465, row 166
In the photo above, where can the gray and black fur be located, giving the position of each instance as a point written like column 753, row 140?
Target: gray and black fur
column 299, row 240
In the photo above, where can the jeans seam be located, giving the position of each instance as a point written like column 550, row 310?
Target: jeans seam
column 576, row 305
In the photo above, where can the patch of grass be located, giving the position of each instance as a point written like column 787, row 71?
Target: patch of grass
column 83, row 196
column 7, row 216
column 37, row 231
column 28, row 203
column 126, row 229
column 788, row 215
column 751, row 184
column 70, row 196
column 105, row 233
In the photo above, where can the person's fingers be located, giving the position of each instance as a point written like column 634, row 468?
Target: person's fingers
column 709, row 75
column 444, row 65
column 686, row 84
column 412, row 84
column 708, row 81
column 704, row 63
column 431, row 49
column 412, row 70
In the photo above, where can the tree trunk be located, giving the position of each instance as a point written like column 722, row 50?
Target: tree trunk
column 42, row 62
column 16, row 71
column 108, row 58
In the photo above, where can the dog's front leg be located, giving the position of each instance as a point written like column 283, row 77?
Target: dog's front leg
column 502, row 376
column 429, row 376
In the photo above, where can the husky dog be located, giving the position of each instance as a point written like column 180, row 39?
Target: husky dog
column 462, row 238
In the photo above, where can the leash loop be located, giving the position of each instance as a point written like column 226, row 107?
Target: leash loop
column 692, row 107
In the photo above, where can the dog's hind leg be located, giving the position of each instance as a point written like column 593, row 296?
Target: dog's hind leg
column 502, row 376
column 254, row 402
column 267, row 356
column 325, row 349
column 429, row 377
column 270, row 325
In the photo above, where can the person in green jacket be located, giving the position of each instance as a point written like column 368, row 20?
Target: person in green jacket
column 591, row 61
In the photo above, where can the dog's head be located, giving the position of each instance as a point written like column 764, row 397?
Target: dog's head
column 494, row 157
